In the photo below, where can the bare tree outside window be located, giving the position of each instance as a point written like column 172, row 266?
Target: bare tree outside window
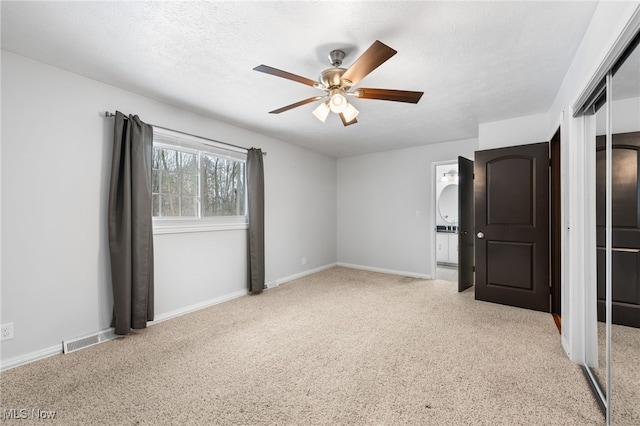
column 223, row 187
column 181, row 177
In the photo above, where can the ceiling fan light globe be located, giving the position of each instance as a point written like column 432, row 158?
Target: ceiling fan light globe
column 338, row 103
column 350, row 113
column 322, row 111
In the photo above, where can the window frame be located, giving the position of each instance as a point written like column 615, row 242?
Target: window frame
column 169, row 139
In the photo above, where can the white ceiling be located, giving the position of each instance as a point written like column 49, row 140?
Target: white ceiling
column 476, row 61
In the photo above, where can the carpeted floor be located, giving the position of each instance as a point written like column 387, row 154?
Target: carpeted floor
column 341, row 346
column 625, row 384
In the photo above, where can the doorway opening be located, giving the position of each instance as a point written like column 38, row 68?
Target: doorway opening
column 446, row 220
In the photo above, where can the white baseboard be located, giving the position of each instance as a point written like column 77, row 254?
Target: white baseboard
column 386, row 271
column 31, row 357
column 276, row 283
column 196, row 307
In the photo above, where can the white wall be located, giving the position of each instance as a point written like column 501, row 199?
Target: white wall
column 55, row 177
column 386, row 207
column 515, row 131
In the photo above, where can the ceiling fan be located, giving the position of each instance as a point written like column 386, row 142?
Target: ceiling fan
column 338, row 83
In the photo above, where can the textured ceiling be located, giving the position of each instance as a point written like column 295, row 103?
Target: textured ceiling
column 476, row 61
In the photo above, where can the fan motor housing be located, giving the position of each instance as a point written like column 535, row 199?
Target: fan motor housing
column 332, row 77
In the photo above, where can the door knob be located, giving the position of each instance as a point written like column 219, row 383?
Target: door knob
column 480, row 234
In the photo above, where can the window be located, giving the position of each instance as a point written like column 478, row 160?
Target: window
column 174, row 182
column 196, row 184
column 223, row 187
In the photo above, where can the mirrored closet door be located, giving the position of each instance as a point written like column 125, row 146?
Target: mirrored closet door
column 612, row 311
column 624, row 325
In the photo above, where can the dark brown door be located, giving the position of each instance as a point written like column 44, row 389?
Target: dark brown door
column 512, row 226
column 625, row 218
column 465, row 223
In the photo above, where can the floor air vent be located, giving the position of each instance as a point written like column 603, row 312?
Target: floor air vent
column 72, row 345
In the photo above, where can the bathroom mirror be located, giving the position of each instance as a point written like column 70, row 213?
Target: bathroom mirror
column 448, row 203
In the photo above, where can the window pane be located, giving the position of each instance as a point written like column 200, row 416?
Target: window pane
column 156, row 205
column 155, row 181
column 189, row 184
column 169, row 183
column 168, row 159
column 189, row 206
column 241, row 199
column 189, row 162
column 174, row 175
column 223, row 187
column 156, row 157
column 170, row 205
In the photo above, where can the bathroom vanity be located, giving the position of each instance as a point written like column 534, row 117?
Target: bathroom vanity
column 447, row 246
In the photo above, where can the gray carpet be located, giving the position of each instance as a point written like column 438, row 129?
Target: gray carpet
column 339, row 347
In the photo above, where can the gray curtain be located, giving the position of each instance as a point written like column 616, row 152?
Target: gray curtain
column 255, row 200
column 130, row 224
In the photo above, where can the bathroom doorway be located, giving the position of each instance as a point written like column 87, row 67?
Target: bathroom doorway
column 446, row 220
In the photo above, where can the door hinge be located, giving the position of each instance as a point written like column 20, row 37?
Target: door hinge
column 473, row 176
column 550, row 290
column 473, row 268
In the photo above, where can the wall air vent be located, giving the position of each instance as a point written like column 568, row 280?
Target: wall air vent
column 72, row 345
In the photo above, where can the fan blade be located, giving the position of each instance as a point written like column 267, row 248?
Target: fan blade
column 354, row 121
column 372, row 58
column 297, row 104
column 389, row 95
column 279, row 73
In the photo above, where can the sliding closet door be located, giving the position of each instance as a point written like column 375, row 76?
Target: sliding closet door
column 612, row 303
column 625, row 252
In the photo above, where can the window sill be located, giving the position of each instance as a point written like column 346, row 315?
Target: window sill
column 180, row 228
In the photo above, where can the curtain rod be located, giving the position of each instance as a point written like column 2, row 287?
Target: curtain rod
column 109, row 114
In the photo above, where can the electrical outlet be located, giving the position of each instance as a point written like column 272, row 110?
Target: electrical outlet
column 6, row 331
column 304, row 261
